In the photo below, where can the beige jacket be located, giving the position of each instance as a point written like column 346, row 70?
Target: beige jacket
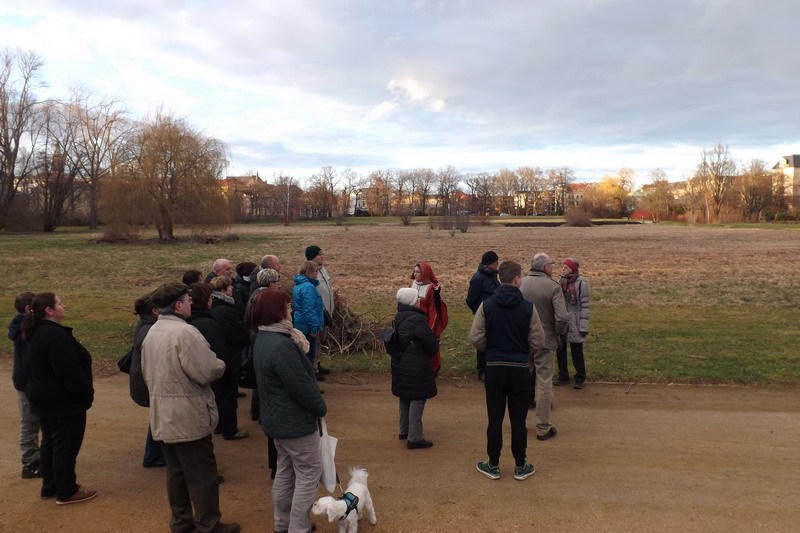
column 325, row 289
column 546, row 295
column 178, row 367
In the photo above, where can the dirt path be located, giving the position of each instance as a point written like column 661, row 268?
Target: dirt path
column 627, row 458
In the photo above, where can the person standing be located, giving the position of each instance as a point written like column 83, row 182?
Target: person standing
column 413, row 379
column 576, row 296
column 28, row 422
column 309, row 311
column 481, row 286
column 291, row 404
column 147, row 312
column 267, row 261
column 429, row 293
column 237, row 338
column 325, row 289
column 178, row 367
column 59, row 388
column 508, row 329
column 539, row 288
column 224, row 268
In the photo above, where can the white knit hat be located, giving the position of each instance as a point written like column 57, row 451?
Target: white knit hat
column 407, row 296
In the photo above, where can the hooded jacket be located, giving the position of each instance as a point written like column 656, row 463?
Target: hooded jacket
column 507, row 328
column 482, row 285
column 309, row 312
column 413, row 377
column 138, row 387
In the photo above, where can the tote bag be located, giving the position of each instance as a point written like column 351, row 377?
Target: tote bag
column 327, row 453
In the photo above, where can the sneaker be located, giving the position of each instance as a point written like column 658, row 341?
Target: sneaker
column 81, row 495
column 524, row 472
column 578, row 385
column 485, row 468
column 31, row 470
column 559, row 382
column 549, row 435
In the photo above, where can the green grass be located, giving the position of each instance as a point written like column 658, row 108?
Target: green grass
column 734, row 331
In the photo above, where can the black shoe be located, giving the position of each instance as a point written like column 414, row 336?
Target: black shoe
column 560, row 382
column 156, row 464
column 241, row 394
column 419, row 444
column 322, row 370
column 220, row 480
column 319, row 377
column 482, row 375
column 402, row 436
column 578, row 385
column 31, row 471
column 549, row 435
column 243, row 434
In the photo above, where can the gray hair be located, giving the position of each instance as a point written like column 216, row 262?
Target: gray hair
column 267, row 276
column 268, row 261
column 218, row 264
column 540, row 259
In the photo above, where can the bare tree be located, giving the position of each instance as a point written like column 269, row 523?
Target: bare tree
column 423, row 179
column 102, row 126
column 288, row 197
column 715, row 174
column 379, row 192
column 19, row 77
column 447, row 183
column 558, row 182
column 755, row 190
column 179, row 168
column 506, row 184
column 532, row 180
column 658, row 199
column 58, row 160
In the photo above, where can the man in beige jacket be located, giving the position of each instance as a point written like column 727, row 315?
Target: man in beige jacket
column 178, row 367
column 539, row 288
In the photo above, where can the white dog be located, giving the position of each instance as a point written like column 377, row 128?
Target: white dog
column 350, row 508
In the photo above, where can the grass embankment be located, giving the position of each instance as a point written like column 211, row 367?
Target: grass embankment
column 669, row 303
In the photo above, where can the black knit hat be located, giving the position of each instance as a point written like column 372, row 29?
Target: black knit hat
column 312, row 252
column 489, row 257
column 168, row 294
column 245, row 269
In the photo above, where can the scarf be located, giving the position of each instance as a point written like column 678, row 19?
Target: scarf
column 285, row 326
column 568, row 286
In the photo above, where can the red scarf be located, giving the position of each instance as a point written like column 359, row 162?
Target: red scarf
column 568, row 286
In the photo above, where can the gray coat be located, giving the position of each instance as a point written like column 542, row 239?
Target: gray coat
column 578, row 312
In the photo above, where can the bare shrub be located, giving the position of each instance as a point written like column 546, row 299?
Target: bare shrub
column 578, row 217
column 350, row 332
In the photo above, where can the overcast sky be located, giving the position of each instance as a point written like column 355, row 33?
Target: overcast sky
column 291, row 86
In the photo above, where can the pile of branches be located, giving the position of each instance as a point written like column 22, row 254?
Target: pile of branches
column 350, row 332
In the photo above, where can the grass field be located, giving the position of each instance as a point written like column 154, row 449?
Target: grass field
column 669, row 302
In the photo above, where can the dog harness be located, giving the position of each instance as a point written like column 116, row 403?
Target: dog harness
column 352, row 503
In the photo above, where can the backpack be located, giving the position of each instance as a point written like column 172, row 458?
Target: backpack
column 391, row 341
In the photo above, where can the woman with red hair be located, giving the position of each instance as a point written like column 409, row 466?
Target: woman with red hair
column 430, row 301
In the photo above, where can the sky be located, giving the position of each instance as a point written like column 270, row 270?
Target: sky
column 290, row 87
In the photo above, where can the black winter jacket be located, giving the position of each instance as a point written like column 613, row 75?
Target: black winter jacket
column 508, row 317
column 236, row 335
column 412, row 372
column 205, row 322
column 59, row 372
column 20, row 371
column 482, row 285
column 139, row 391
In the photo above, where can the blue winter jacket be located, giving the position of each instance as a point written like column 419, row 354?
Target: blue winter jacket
column 309, row 312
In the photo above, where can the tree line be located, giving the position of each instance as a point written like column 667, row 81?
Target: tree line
column 85, row 161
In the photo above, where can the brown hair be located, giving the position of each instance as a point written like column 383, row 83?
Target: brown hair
column 201, row 292
column 39, row 303
column 220, row 283
column 23, row 300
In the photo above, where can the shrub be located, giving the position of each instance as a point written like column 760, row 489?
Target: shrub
column 578, row 217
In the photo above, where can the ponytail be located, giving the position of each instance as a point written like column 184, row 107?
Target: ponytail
column 40, row 302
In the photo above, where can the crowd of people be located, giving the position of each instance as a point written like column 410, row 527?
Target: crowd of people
column 193, row 336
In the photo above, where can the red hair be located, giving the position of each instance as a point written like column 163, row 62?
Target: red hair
column 269, row 307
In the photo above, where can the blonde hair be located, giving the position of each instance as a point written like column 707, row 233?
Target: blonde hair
column 220, row 283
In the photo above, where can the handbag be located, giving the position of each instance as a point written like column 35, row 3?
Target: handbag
column 124, row 362
column 246, row 378
column 327, row 454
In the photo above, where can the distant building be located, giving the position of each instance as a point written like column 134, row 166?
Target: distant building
column 788, row 168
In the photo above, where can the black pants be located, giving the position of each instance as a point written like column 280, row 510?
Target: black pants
column 577, row 361
column 507, row 386
column 61, row 441
column 225, row 392
column 481, row 357
column 192, row 480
